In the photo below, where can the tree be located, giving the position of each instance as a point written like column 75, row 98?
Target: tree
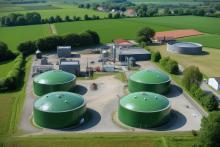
column 191, row 75
column 145, row 35
column 72, row 40
column 95, row 36
column 110, row 15
column 86, row 17
column 155, row 56
column 5, row 53
column 209, row 135
column 117, row 15
column 86, row 39
column 27, row 47
column 210, row 102
column 67, row 18
column 51, row 19
column 58, row 19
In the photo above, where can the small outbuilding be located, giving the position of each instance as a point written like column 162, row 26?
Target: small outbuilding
column 59, row 110
column 144, row 110
column 149, row 80
column 64, row 51
column 71, row 66
column 214, row 83
column 38, row 54
column 54, row 80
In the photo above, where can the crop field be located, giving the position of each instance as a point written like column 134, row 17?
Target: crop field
column 127, row 28
column 5, row 67
column 202, row 61
column 131, row 139
column 54, row 10
column 15, row 35
column 207, row 40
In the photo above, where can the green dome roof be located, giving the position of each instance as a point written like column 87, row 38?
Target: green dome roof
column 149, row 76
column 59, row 102
column 144, row 102
column 54, row 77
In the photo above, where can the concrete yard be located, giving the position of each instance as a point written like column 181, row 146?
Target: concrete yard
column 102, row 104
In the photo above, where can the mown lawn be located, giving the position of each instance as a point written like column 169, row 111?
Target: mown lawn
column 208, row 63
column 15, row 35
column 11, row 105
column 207, row 40
column 129, row 139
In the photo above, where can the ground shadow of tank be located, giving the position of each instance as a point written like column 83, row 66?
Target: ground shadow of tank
column 176, row 120
column 174, row 91
column 91, row 119
column 80, row 89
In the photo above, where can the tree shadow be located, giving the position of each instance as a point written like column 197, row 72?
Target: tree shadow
column 91, row 119
column 80, row 89
column 174, row 91
column 176, row 120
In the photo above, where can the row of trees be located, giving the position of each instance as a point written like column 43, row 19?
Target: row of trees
column 15, row 19
column 5, row 53
column 192, row 78
column 13, row 79
column 50, row 43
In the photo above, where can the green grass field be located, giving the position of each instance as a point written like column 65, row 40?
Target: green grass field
column 209, row 63
column 46, row 11
column 130, row 139
column 15, row 35
column 207, row 40
column 127, row 28
column 5, row 67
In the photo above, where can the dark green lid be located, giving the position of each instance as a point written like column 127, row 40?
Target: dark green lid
column 150, row 76
column 54, row 77
column 59, row 102
column 144, row 102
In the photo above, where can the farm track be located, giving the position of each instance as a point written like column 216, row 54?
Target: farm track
column 53, row 29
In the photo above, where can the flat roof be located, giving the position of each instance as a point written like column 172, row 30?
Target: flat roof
column 69, row 62
column 130, row 51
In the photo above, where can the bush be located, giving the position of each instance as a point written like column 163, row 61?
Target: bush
column 169, row 65
column 210, row 102
column 155, row 56
column 27, row 48
column 5, row 53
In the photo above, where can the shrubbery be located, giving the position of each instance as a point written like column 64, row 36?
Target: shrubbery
column 50, row 43
column 155, row 56
column 12, row 80
column 191, row 80
column 169, row 65
column 5, row 53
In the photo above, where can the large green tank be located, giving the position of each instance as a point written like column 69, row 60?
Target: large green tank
column 59, row 110
column 149, row 80
column 55, row 80
column 144, row 110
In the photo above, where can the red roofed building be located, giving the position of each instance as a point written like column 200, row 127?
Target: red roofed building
column 124, row 43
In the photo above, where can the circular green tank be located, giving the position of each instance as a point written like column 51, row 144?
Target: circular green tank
column 149, row 80
column 59, row 110
column 144, row 110
column 55, row 80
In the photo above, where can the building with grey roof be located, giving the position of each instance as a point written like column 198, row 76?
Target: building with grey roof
column 71, row 66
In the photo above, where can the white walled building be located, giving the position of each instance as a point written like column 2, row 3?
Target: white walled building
column 214, row 83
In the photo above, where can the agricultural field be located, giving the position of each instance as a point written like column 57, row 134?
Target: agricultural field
column 5, row 67
column 48, row 10
column 202, row 61
column 127, row 28
column 15, row 35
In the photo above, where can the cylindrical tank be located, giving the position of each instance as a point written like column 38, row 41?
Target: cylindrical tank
column 149, row 80
column 38, row 54
column 54, row 80
column 59, row 110
column 189, row 48
column 144, row 110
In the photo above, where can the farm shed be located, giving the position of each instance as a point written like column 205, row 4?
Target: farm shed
column 71, row 66
column 64, row 51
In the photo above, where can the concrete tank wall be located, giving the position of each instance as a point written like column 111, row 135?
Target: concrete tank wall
column 188, row 48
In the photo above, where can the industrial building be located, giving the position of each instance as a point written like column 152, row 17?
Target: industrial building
column 59, row 110
column 54, row 80
column 71, row 66
column 144, row 110
column 149, row 80
column 122, row 54
column 188, row 48
column 64, row 51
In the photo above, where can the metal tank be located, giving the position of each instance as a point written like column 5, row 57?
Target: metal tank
column 150, row 80
column 144, row 110
column 59, row 110
column 54, row 80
